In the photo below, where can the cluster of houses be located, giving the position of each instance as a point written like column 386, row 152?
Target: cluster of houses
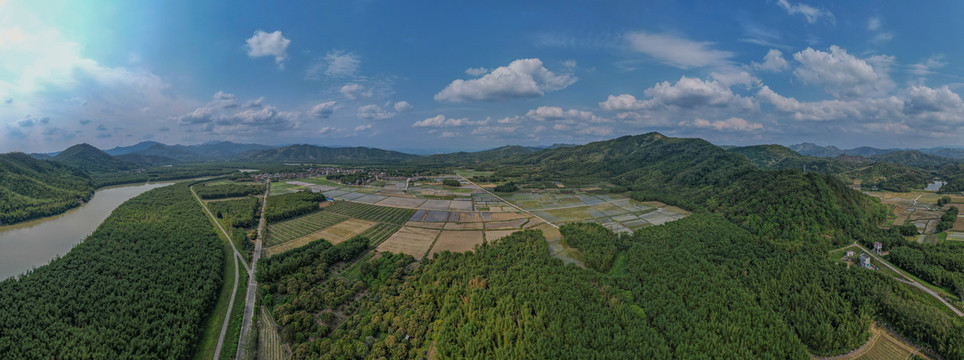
column 863, row 260
column 305, row 173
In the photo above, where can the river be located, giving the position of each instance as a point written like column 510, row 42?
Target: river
column 34, row 243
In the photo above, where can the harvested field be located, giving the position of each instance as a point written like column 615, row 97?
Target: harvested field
column 403, row 202
column 435, row 205
column 335, row 234
column 457, row 241
column 498, row 234
column 887, row 346
column 505, row 225
column 410, row 240
column 379, row 233
column 507, row 216
column 470, row 217
column 300, row 226
column 424, row 224
column 461, row 205
column 463, row 226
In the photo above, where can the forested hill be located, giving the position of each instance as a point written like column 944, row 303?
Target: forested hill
column 31, row 188
column 92, row 159
column 320, row 154
column 468, row 158
column 784, row 205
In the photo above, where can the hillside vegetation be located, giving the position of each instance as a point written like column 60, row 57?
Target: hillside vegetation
column 31, row 188
column 92, row 159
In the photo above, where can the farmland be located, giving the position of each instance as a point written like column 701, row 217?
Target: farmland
column 269, row 342
column 295, row 228
column 379, row 232
column 371, row 212
column 335, row 234
column 236, row 213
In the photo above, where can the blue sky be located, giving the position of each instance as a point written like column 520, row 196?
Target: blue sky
column 439, row 76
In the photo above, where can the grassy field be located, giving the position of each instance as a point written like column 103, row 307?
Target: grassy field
column 300, row 226
column 335, row 234
column 281, row 188
column 269, row 342
column 229, row 349
column 374, row 213
column 321, row 180
column 886, row 347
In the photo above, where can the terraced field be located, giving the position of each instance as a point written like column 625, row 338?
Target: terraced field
column 888, row 347
column 300, row 226
column 374, row 213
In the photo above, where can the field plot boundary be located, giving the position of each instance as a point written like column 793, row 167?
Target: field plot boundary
column 269, row 342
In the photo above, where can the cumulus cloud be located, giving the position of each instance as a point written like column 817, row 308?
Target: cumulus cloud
column 864, row 109
column 336, row 63
column 494, row 130
column 374, row 112
column 928, row 66
column 687, row 93
column 323, row 110
column 922, row 99
column 354, row 91
column 403, row 106
column 676, row 51
column 772, row 61
column 544, row 113
column 523, row 78
column 842, row 74
column 224, row 114
column 731, row 124
column 269, row 44
column 442, row 121
column 812, row 14
column 476, row 71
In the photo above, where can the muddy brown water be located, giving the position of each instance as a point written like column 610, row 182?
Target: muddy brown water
column 32, row 244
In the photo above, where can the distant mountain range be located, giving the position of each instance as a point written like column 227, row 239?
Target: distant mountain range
column 811, row 149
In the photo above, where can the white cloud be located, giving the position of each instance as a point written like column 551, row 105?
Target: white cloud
column 844, row 75
column 874, row 23
column 731, row 124
column 442, row 121
column 403, row 106
column 866, row 109
column 687, row 93
column 596, row 130
column 677, row 51
column 812, row 14
column 322, row 110
column 223, row 114
column 928, row 66
column 355, row 91
column 374, row 112
column 544, row 113
column 570, row 64
column 772, row 61
column 361, row 128
column 269, row 44
column 731, row 75
column 449, row 134
column 336, row 63
column 523, row 78
column 922, row 99
column 494, row 130
column 476, row 71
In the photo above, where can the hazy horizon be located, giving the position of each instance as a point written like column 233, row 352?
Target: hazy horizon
column 478, row 76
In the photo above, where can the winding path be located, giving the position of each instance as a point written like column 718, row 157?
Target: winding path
column 909, row 281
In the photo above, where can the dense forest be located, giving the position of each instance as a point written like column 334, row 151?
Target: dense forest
column 31, row 188
column 242, row 213
column 286, row 206
column 223, row 191
column 137, row 287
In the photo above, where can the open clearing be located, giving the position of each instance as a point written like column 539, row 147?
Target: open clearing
column 298, row 227
column 335, row 234
column 883, row 345
column 410, row 240
column 457, row 241
column 919, row 208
